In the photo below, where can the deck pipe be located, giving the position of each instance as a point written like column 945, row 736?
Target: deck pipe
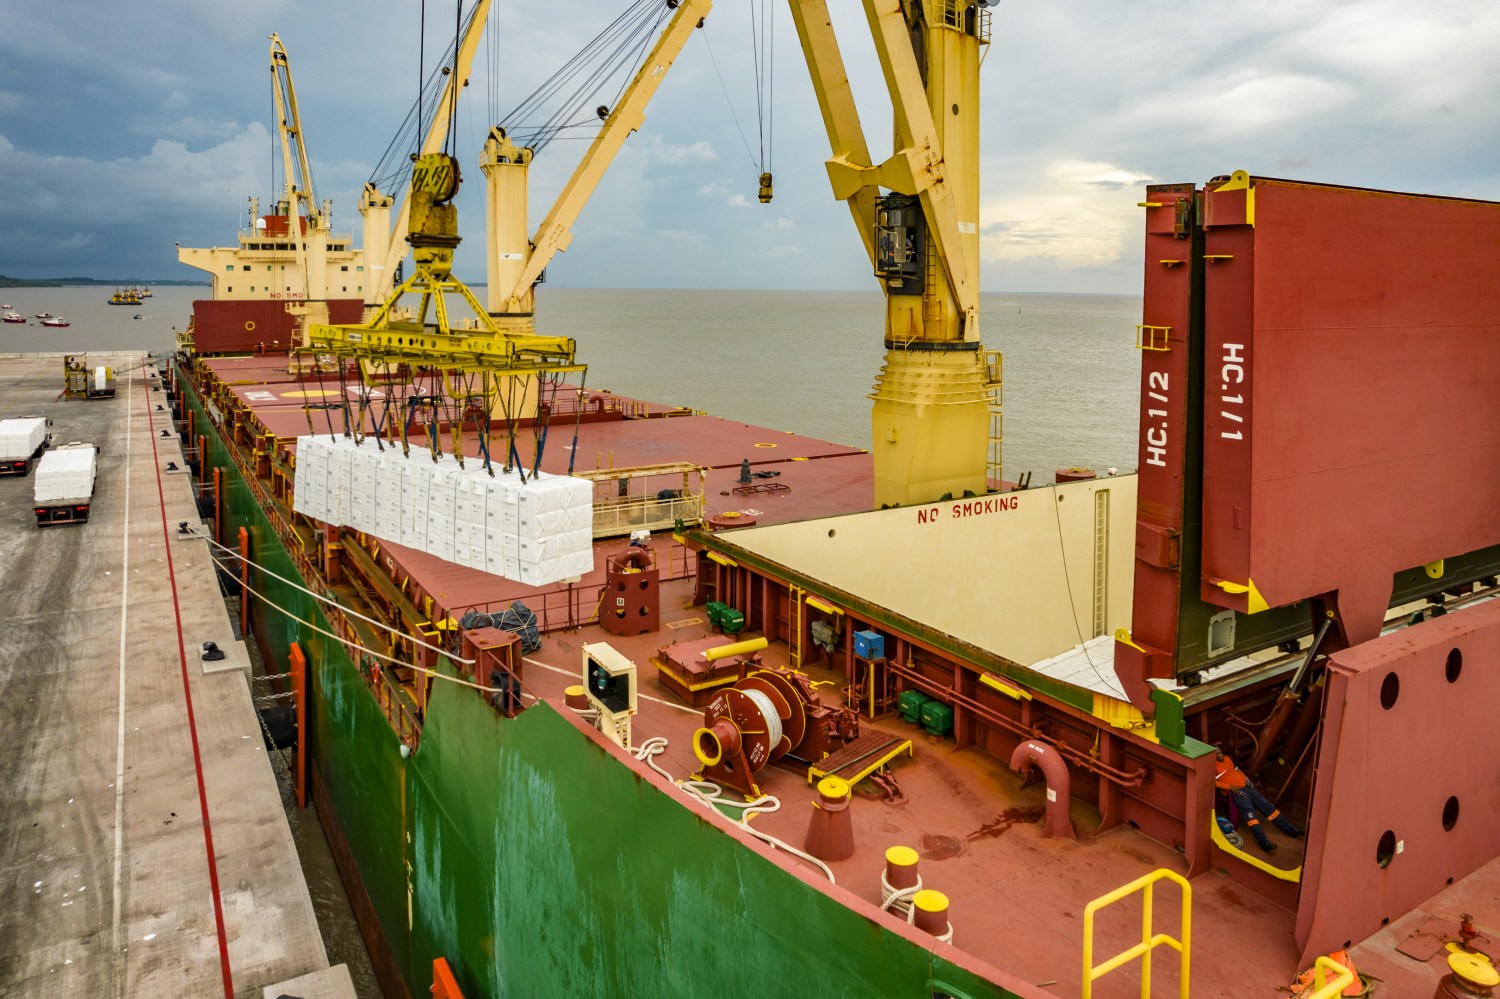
column 1059, row 825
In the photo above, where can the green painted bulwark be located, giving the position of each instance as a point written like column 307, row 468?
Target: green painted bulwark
column 538, row 863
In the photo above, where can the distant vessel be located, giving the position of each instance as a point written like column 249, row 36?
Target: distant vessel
column 44, row 315
column 136, row 316
column 14, row 317
column 55, row 321
column 127, row 297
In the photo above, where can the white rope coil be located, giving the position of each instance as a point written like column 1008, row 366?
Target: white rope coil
column 710, row 793
column 768, row 712
column 897, row 900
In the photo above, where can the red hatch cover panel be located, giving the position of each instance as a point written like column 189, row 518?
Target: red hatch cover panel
column 1389, row 773
column 1352, row 391
column 1166, row 311
column 240, row 326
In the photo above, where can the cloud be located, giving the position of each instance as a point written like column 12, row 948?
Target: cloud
column 108, row 162
column 1072, row 215
column 676, row 155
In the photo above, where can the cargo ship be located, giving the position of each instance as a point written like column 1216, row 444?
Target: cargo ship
column 823, row 720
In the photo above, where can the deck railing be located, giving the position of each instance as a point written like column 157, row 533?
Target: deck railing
column 1149, row 941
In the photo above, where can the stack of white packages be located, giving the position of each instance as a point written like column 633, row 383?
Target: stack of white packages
column 538, row 532
column 65, row 475
column 21, row 436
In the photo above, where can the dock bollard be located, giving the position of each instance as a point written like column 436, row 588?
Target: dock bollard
column 575, row 698
column 1469, row 977
column 900, row 879
column 929, row 913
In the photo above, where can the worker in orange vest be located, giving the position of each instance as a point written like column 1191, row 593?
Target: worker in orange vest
column 1250, row 802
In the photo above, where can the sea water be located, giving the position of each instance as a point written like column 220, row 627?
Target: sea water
column 788, row 360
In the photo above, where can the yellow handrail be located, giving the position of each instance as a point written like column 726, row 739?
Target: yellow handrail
column 1342, row 977
column 1149, row 941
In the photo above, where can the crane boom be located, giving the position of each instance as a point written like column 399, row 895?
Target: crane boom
column 384, row 271
column 851, row 154
column 556, row 230
column 307, row 222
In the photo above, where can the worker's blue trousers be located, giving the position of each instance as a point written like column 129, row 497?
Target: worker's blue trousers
column 1252, row 805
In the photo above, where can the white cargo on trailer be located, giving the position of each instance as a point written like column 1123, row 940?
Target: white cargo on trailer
column 21, row 438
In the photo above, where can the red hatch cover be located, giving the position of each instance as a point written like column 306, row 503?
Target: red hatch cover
column 1351, row 391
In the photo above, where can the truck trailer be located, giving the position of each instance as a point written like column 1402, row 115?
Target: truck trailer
column 102, row 383
column 65, row 484
column 22, row 441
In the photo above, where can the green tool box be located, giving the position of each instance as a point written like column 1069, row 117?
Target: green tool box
column 937, row 718
column 910, row 705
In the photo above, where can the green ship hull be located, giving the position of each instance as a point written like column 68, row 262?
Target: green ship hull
column 535, row 860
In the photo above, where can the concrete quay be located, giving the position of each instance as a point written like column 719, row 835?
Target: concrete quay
column 143, row 848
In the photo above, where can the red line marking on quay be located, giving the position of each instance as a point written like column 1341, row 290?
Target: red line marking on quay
column 187, row 693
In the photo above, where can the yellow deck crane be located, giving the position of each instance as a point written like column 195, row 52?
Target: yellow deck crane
column 309, row 223
column 935, row 423
column 491, row 361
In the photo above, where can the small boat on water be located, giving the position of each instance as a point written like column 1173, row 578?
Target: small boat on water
column 136, row 316
column 14, row 317
column 55, row 321
column 127, row 297
column 45, row 315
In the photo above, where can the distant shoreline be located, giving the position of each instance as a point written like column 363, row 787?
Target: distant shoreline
column 68, row 282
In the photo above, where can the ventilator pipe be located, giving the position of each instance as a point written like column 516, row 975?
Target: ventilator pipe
column 1059, row 825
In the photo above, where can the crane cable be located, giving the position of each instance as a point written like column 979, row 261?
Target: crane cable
column 621, row 45
column 762, row 49
column 762, row 37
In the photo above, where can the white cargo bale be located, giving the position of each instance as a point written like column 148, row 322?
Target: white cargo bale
column 65, row 475
column 463, row 514
column 577, row 564
column 21, row 436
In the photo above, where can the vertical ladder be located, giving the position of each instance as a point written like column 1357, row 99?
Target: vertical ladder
column 932, row 309
column 1101, row 561
column 994, row 453
column 794, row 621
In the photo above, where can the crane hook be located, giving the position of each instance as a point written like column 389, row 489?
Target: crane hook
column 765, row 188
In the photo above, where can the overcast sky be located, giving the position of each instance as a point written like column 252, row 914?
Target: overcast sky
column 126, row 128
